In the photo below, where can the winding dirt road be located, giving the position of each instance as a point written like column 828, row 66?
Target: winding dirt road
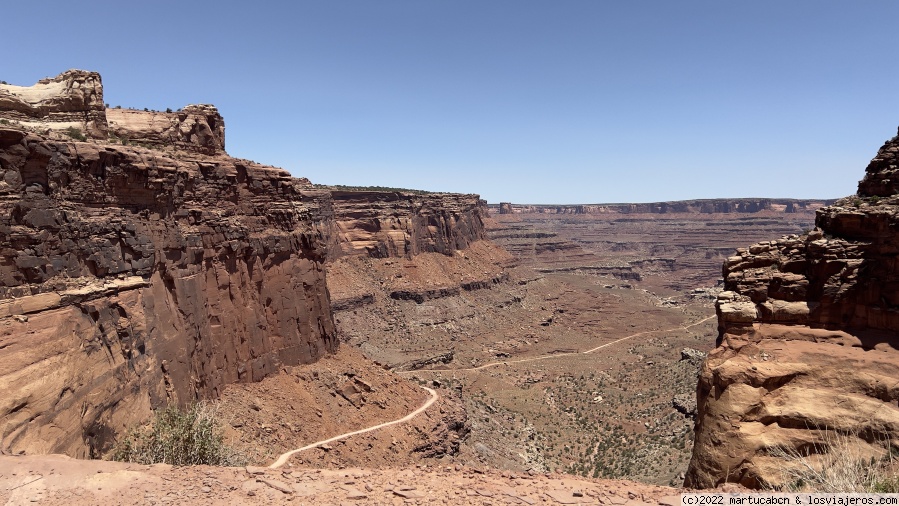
column 556, row 355
column 433, row 395
column 286, row 456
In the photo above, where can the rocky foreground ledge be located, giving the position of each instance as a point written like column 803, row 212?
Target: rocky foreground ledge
column 60, row 480
column 809, row 347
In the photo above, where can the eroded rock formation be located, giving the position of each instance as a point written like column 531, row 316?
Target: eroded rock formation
column 71, row 99
column 130, row 279
column 808, row 332
column 135, row 276
column 71, row 105
column 198, row 128
column 398, row 224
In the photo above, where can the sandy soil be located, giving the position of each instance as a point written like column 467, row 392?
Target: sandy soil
column 58, row 480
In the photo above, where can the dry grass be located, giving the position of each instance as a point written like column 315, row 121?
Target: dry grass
column 181, row 438
column 839, row 464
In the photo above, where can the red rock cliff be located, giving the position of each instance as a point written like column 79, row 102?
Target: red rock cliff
column 808, row 341
column 129, row 279
column 385, row 224
column 198, row 128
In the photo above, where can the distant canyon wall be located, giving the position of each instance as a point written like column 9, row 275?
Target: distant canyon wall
column 808, row 350
column 383, row 224
column 707, row 206
column 136, row 276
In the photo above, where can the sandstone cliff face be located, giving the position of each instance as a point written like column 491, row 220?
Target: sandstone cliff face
column 808, row 340
column 198, row 128
column 71, row 99
column 74, row 99
column 135, row 277
column 384, row 224
column 129, row 279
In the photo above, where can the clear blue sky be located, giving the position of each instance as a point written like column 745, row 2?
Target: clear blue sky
column 556, row 101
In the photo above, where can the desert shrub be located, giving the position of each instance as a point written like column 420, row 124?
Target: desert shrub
column 886, row 485
column 75, row 133
column 839, row 464
column 181, row 438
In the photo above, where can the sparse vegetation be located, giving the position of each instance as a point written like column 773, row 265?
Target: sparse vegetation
column 181, row 438
column 839, row 464
column 75, row 133
column 341, row 187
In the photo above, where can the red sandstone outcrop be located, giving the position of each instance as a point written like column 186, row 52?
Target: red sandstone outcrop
column 136, row 276
column 71, row 99
column 74, row 100
column 198, row 128
column 808, row 331
column 129, row 279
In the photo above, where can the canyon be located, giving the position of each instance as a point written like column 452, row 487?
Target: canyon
column 143, row 266
column 134, row 277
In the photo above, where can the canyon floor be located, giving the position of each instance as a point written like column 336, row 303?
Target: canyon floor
column 554, row 349
column 575, row 353
column 563, row 352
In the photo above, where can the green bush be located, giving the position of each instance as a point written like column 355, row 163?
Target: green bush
column 181, row 438
column 75, row 133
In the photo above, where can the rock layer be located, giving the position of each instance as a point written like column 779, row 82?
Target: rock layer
column 129, row 279
column 398, row 224
column 71, row 104
column 198, row 128
column 135, row 276
column 808, row 345
column 71, row 99
column 705, row 206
